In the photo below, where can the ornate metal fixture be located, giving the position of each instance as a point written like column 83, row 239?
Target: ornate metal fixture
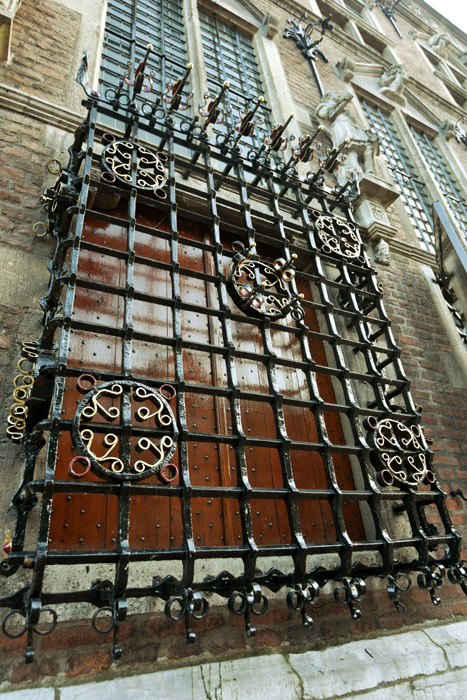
column 389, row 10
column 459, row 134
column 400, row 453
column 111, row 455
column 123, row 434
column 310, row 49
column 262, row 289
column 335, row 236
column 23, row 384
column 133, row 164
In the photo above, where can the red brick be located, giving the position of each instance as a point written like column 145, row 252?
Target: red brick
column 88, row 664
column 460, row 608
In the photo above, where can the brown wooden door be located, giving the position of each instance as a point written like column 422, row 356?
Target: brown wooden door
column 89, row 521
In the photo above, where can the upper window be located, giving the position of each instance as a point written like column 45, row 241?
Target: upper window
column 416, row 199
column 230, row 57
column 444, row 178
column 133, row 24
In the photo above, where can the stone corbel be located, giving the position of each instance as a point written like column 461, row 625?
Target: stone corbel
column 8, row 10
column 346, row 69
column 271, row 24
column 370, row 214
column 463, row 58
column 414, row 34
column 447, row 129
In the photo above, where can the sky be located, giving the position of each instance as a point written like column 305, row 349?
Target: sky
column 454, row 10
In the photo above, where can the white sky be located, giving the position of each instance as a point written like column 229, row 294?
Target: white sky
column 454, row 10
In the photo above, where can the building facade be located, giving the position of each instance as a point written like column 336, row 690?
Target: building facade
column 233, row 344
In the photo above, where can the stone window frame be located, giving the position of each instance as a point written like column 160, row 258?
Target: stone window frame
column 8, row 10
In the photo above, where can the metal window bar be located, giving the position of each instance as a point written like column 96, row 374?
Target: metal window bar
column 444, row 177
column 152, row 238
column 416, row 199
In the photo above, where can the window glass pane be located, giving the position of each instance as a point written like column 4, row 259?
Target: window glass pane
column 412, row 189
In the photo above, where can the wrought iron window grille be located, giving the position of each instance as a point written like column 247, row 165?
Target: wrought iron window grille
column 110, row 433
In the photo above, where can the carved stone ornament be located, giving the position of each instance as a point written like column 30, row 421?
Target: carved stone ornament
column 271, row 22
column 382, row 252
column 340, row 125
column 346, row 69
column 447, row 129
column 439, row 44
column 10, row 7
column 124, row 431
column 392, row 83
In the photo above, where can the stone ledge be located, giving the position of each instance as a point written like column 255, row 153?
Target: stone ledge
column 421, row 664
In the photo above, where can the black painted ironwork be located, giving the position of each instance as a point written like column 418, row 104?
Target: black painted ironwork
column 388, row 8
column 302, row 35
column 459, row 134
column 283, row 211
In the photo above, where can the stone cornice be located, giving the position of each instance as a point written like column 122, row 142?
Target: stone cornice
column 39, row 109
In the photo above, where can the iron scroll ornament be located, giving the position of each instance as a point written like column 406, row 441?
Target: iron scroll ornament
column 133, row 164
column 335, row 236
column 262, row 289
column 139, row 447
column 400, row 453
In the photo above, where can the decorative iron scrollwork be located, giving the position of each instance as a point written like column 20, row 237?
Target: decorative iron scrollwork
column 191, row 605
column 400, row 452
column 337, row 237
column 149, row 430
column 23, row 383
column 262, row 289
column 250, row 600
column 133, row 164
column 350, row 592
column 400, row 583
column 301, row 596
column 430, row 579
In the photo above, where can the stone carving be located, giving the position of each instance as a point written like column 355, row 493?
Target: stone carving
column 339, row 124
column 346, row 69
column 378, row 212
column 447, row 129
column 393, row 82
column 463, row 58
column 382, row 252
column 10, row 7
column 439, row 44
column 271, row 24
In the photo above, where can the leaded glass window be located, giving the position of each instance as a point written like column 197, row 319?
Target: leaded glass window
column 444, row 178
column 133, row 24
column 416, row 198
column 230, row 56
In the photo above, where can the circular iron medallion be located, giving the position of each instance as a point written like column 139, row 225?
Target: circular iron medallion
column 126, row 430
column 149, row 174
